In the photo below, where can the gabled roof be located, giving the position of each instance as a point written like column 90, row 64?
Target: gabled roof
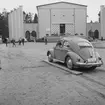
column 61, row 2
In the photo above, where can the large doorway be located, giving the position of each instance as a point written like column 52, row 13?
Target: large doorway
column 96, row 34
column 62, row 28
column 27, row 35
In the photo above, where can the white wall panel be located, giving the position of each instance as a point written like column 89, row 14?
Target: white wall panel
column 16, row 24
column 12, row 27
column 44, row 22
column 62, row 16
column 80, row 21
column 102, row 21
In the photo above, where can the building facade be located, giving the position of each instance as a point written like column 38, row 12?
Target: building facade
column 30, row 31
column 98, row 28
column 15, row 23
column 102, row 20
column 18, row 29
column 94, row 29
column 61, row 18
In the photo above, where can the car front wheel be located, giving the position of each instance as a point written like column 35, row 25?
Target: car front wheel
column 69, row 63
column 50, row 59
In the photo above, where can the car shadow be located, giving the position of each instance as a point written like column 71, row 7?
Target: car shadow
column 83, row 70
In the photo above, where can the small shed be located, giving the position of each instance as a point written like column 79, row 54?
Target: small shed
column 60, row 18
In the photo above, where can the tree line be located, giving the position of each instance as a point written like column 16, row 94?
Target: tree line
column 27, row 17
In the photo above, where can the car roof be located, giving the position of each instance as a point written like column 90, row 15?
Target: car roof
column 75, row 39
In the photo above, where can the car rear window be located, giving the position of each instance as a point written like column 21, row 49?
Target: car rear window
column 84, row 44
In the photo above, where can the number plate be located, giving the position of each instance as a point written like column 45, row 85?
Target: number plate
column 91, row 59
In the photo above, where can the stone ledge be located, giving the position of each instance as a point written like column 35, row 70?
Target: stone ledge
column 64, row 68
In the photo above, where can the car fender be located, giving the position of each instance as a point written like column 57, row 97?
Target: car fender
column 51, row 51
column 73, row 56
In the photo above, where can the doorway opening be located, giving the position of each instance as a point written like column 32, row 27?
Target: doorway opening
column 62, row 28
column 96, row 34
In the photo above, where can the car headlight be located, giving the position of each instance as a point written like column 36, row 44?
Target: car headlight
column 78, row 59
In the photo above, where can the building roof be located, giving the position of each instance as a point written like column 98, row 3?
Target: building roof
column 61, row 2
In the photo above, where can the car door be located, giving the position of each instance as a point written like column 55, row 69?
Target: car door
column 65, row 49
column 57, row 50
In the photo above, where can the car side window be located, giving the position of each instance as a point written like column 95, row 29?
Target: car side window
column 66, row 44
column 59, row 44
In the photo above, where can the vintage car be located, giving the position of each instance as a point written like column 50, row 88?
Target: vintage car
column 75, row 52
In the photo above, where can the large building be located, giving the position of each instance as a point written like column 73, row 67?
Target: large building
column 30, row 31
column 56, row 19
column 61, row 18
column 98, row 28
column 18, row 29
column 95, row 29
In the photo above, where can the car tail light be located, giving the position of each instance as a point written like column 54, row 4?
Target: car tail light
column 99, row 58
column 79, row 59
column 86, row 61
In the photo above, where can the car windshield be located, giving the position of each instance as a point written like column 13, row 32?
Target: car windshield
column 84, row 45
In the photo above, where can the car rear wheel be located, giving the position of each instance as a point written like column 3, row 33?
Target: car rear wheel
column 50, row 59
column 69, row 63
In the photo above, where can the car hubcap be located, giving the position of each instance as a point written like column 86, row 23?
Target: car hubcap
column 49, row 57
column 69, row 63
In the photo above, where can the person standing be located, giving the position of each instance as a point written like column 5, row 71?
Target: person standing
column 45, row 40
column 13, row 42
column 6, row 41
column 19, row 41
column 23, row 41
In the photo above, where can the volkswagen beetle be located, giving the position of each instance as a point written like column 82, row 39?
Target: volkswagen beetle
column 75, row 52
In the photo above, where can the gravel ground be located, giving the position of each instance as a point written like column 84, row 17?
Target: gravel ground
column 25, row 80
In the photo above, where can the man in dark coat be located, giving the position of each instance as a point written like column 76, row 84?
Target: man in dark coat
column 45, row 39
column 23, row 41
column 6, row 41
column 19, row 41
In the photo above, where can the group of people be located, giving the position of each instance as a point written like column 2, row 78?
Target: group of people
column 14, row 42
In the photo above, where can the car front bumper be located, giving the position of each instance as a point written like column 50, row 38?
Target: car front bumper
column 97, row 64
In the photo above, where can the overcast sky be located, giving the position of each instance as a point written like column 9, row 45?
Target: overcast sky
column 93, row 6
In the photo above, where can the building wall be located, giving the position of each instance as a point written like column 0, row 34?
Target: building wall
column 52, row 15
column 94, row 27
column 80, row 21
column 44, row 22
column 102, row 20
column 30, row 27
column 15, row 20
column 62, row 16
